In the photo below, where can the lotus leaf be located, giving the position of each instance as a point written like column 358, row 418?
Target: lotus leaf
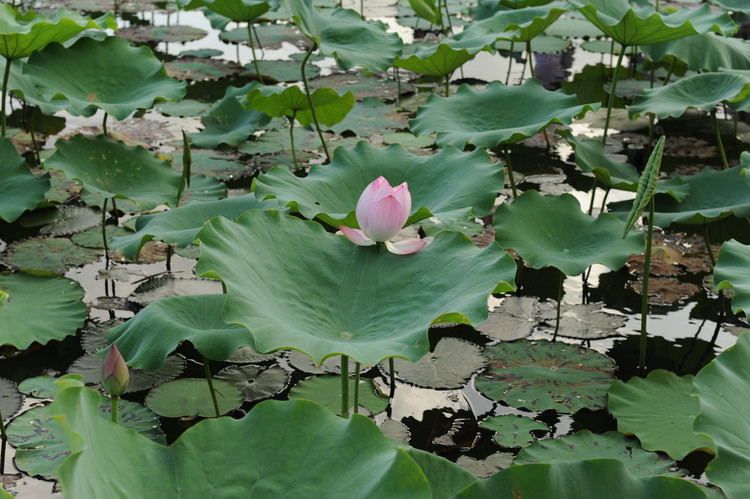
column 346, row 37
column 446, row 479
column 545, row 375
column 371, row 465
column 576, row 479
column 724, row 398
column 179, row 226
column 20, row 190
column 513, row 431
column 713, row 195
column 565, row 237
column 49, row 255
column 22, row 34
column 702, row 91
column 11, row 399
column 429, row 10
column 330, row 107
column 520, row 25
column 345, row 299
column 281, row 71
column 145, row 340
column 254, row 382
column 235, row 10
column 707, row 51
column 587, row 445
column 438, row 59
column 89, row 366
column 23, row 321
column 189, row 397
column 733, row 271
column 369, row 117
column 526, row 110
column 326, row 391
column 641, row 24
column 331, row 192
column 660, row 412
column 734, row 5
column 112, row 169
column 540, row 45
column 228, row 122
column 24, row 86
column 75, row 74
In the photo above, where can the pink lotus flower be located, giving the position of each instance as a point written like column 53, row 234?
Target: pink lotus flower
column 115, row 374
column 381, row 213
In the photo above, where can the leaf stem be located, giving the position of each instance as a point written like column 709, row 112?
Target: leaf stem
column 357, row 369
column 559, row 302
column 611, row 101
column 210, row 381
column 3, row 445
column 644, row 294
column 510, row 62
column 310, row 101
column 529, row 56
column 104, row 125
column 252, row 49
column 344, row 386
column 104, row 233
column 291, row 138
column 510, row 172
column 718, row 139
column 6, row 76
column 707, row 242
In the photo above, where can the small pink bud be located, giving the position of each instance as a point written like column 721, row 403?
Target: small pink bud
column 115, row 374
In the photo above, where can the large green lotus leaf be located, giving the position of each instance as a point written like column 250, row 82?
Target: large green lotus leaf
column 713, row 195
column 114, row 170
column 331, row 192
column 20, row 190
column 545, row 375
column 145, row 340
column 500, row 114
column 520, row 24
column 591, row 478
column 344, row 35
column 660, row 412
column 22, row 34
column 235, row 10
column 563, row 237
column 590, row 157
column 228, row 122
column 735, row 5
column 41, row 445
column 76, row 74
column 702, row 91
column 702, row 52
column 24, row 86
column 437, row 59
column 179, row 226
column 330, row 107
column 342, row 298
column 329, row 456
column 587, row 445
column 640, row 24
column 446, row 479
column 23, row 321
column 724, row 397
column 733, row 271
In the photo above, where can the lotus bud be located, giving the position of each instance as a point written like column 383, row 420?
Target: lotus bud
column 115, row 374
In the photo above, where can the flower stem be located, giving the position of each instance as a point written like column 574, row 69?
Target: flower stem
column 510, row 172
column 210, row 380
column 115, row 408
column 6, row 76
column 644, row 295
column 309, row 100
column 252, row 49
column 344, row 386
column 611, row 101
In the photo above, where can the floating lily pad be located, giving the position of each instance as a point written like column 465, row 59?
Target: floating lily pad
column 540, row 45
column 203, row 53
column 48, row 255
column 660, row 412
column 486, row 127
column 281, row 71
column 41, row 444
column 20, row 190
column 587, row 445
column 344, row 35
column 370, row 116
column 449, row 366
column 75, row 74
column 513, row 431
column 187, row 68
column 189, row 397
column 362, row 86
column 331, row 192
column 147, row 339
column 271, row 35
column 220, row 165
column 331, row 365
column 246, row 355
column 95, row 334
column 570, row 240
column 408, row 139
column 22, row 322
column 42, row 387
column 92, row 238
column 90, row 367
column 10, row 399
column 513, row 320
column 62, row 220
column 731, row 272
column 259, row 294
column 326, row 390
column 584, row 321
column 487, row 467
column 724, row 397
column 167, row 34
column 163, row 286
column 179, row 226
column 254, row 382
column 111, row 169
column 543, row 375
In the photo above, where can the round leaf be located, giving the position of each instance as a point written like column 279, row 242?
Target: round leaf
column 326, row 390
column 90, row 367
column 254, row 382
column 526, row 110
column 192, row 397
column 50, row 255
column 543, row 375
column 564, row 236
column 513, row 431
column 343, row 298
column 20, row 190
column 330, row 107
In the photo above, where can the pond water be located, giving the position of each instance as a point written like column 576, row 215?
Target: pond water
column 688, row 322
